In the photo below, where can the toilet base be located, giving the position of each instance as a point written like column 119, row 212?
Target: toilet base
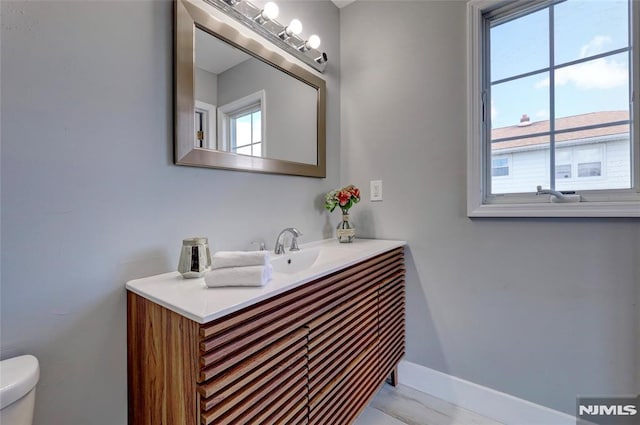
column 20, row 412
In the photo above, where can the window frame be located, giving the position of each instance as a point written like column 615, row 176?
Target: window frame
column 596, row 203
column 232, row 109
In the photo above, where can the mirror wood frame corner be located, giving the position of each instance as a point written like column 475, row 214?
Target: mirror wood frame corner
column 189, row 15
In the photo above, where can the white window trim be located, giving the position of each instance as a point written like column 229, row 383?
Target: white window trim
column 610, row 203
column 224, row 118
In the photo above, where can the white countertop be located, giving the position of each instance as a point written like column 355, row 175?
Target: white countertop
column 192, row 299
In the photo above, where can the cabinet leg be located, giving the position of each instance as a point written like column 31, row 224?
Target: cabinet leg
column 393, row 377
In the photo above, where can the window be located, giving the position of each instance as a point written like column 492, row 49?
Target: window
column 246, row 132
column 550, row 86
column 589, row 162
column 563, row 171
column 499, row 166
column 242, row 125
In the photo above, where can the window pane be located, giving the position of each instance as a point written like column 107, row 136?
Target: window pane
column 500, row 171
column 245, row 150
column 513, row 99
column 257, row 127
column 587, row 28
column 257, row 149
column 243, row 130
column 500, row 167
column 589, row 154
column 527, row 169
column 519, row 113
column 592, row 86
column 563, row 171
column 600, row 159
column 528, row 34
column 589, row 169
column 564, row 156
column 563, row 163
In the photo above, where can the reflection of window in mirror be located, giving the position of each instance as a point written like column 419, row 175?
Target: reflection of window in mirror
column 241, row 125
column 246, row 132
column 205, row 125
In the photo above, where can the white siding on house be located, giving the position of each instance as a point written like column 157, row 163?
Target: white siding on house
column 530, row 168
column 526, row 171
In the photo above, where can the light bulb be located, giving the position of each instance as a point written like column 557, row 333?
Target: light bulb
column 313, row 42
column 270, row 11
column 294, row 27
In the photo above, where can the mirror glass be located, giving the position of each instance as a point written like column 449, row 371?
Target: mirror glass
column 247, row 107
column 240, row 105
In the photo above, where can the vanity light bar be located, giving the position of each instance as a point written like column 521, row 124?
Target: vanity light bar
column 287, row 37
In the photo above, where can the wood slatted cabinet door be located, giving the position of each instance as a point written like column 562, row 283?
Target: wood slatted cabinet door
column 344, row 349
column 391, row 323
column 269, row 384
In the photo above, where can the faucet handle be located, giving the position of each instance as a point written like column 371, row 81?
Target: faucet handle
column 260, row 243
column 294, row 244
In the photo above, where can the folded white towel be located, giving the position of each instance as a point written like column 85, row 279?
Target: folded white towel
column 223, row 259
column 239, row 276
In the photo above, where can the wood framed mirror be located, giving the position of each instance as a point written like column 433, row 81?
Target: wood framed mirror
column 239, row 103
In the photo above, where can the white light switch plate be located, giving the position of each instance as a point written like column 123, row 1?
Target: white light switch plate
column 376, row 190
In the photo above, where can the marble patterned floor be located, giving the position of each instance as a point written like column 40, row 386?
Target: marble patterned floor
column 405, row 406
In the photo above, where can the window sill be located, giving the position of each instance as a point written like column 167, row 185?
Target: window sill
column 582, row 209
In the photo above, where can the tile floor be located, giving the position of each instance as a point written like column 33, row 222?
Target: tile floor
column 406, row 406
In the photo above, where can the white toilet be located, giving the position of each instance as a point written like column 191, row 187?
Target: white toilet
column 18, row 379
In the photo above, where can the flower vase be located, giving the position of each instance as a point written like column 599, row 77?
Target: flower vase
column 345, row 230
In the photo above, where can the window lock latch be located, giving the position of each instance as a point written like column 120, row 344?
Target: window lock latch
column 558, row 197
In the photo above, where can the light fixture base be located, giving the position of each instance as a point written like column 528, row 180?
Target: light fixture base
column 289, row 44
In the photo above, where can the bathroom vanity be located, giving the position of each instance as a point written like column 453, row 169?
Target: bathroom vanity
column 311, row 347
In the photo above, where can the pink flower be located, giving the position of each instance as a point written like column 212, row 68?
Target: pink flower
column 355, row 192
column 343, row 197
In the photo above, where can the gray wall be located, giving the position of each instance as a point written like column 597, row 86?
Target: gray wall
column 90, row 195
column 291, row 108
column 206, row 86
column 541, row 309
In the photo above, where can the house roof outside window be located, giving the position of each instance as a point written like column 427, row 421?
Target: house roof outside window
column 522, row 137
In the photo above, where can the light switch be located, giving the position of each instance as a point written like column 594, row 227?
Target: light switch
column 376, row 190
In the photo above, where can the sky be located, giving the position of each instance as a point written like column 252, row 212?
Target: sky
column 582, row 28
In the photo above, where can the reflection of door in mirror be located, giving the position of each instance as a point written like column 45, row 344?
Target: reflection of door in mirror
column 205, row 125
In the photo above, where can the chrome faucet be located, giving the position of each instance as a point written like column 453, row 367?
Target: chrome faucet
column 279, row 248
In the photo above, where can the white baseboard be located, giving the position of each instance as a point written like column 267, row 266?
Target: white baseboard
column 493, row 404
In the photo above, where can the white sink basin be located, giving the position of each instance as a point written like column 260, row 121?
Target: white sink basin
column 295, row 261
